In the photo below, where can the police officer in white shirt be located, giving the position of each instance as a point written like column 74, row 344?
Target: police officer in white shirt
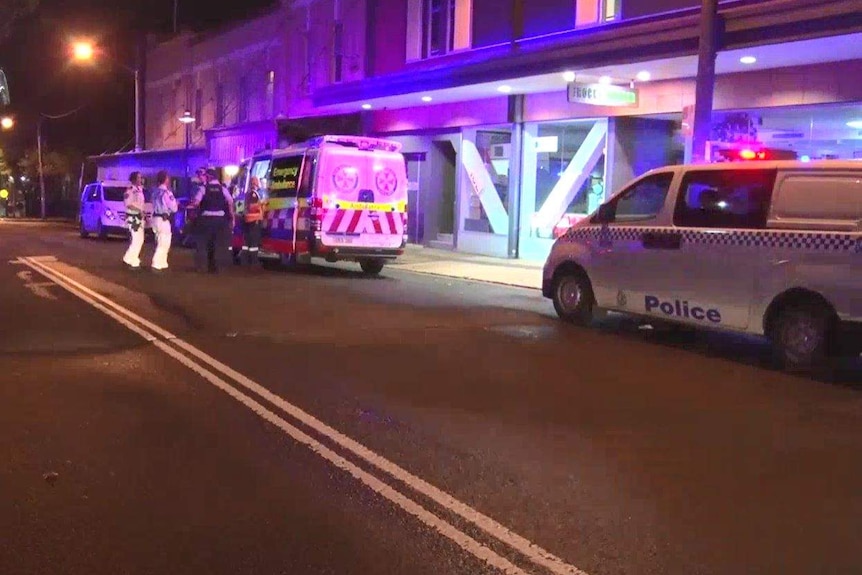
column 134, row 200
column 164, row 207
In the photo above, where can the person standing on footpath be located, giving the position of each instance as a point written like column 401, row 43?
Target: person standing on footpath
column 134, row 201
column 214, row 223
column 164, row 207
column 252, row 222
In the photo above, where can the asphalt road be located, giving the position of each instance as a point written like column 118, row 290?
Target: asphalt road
column 612, row 449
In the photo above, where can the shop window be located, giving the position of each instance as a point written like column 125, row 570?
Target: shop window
column 438, row 27
column 592, row 12
column 220, row 105
column 486, row 160
column 563, row 175
column 242, row 107
column 736, row 199
column 338, row 52
column 199, row 108
column 269, row 94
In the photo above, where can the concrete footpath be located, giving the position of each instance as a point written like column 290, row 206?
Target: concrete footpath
column 431, row 261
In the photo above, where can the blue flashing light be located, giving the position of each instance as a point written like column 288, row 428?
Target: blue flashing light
column 805, row 159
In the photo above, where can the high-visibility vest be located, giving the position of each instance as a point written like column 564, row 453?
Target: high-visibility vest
column 253, row 208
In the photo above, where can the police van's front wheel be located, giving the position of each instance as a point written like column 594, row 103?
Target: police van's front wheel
column 573, row 297
column 801, row 335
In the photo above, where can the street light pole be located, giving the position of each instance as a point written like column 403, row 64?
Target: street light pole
column 138, row 145
column 41, row 170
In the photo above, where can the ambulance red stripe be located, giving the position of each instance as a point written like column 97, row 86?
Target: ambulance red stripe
column 357, row 217
column 378, row 229
column 390, row 218
column 336, row 223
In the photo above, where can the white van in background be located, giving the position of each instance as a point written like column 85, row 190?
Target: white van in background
column 770, row 247
column 103, row 211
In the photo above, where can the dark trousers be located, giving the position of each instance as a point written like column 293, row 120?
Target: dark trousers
column 212, row 240
column 251, row 233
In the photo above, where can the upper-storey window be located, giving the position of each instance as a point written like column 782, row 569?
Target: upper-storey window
column 592, row 12
column 437, row 27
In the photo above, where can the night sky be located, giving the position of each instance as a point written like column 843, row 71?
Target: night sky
column 41, row 80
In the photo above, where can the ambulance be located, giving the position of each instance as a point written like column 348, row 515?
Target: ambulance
column 772, row 248
column 337, row 198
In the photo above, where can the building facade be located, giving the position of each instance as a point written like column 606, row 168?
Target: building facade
column 517, row 117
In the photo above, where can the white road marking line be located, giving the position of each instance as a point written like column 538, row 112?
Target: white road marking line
column 447, row 530
column 38, row 289
column 530, row 550
column 123, row 321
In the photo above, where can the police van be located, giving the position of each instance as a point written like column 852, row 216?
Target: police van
column 338, row 198
column 103, row 209
column 772, row 248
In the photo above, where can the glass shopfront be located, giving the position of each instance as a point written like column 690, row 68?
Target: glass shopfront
column 485, row 162
column 564, row 180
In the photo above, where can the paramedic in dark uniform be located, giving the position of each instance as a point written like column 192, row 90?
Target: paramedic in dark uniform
column 213, row 224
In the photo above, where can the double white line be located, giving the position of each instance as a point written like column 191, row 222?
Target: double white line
column 212, row 371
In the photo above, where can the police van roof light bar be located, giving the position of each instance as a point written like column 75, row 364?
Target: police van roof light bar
column 361, row 142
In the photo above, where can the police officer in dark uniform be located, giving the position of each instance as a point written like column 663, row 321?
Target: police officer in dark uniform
column 213, row 224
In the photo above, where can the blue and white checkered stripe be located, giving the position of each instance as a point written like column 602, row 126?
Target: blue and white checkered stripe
column 279, row 220
column 774, row 239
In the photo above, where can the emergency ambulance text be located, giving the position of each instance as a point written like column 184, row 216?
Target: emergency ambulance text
column 284, row 178
column 681, row 309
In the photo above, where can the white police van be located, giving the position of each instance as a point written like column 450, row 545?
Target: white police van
column 103, row 209
column 769, row 248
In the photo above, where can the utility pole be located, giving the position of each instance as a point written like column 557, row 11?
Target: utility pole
column 138, row 118
column 41, row 169
column 705, row 83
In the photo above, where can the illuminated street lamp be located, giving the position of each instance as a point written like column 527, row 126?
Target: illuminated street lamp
column 187, row 119
column 83, row 52
column 7, row 123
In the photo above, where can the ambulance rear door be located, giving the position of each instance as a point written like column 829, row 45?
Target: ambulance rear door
column 364, row 195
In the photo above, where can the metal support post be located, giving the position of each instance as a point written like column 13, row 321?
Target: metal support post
column 705, row 83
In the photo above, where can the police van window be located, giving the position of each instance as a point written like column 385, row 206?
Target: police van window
column 284, row 177
column 114, row 194
column 643, row 201
column 736, row 199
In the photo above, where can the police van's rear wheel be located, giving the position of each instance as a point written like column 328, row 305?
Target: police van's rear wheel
column 84, row 232
column 573, row 297
column 802, row 334
column 371, row 266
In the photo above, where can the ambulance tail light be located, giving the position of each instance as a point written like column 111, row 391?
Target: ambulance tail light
column 316, row 214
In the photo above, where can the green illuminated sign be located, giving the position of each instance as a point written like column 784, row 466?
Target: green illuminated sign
column 602, row 95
